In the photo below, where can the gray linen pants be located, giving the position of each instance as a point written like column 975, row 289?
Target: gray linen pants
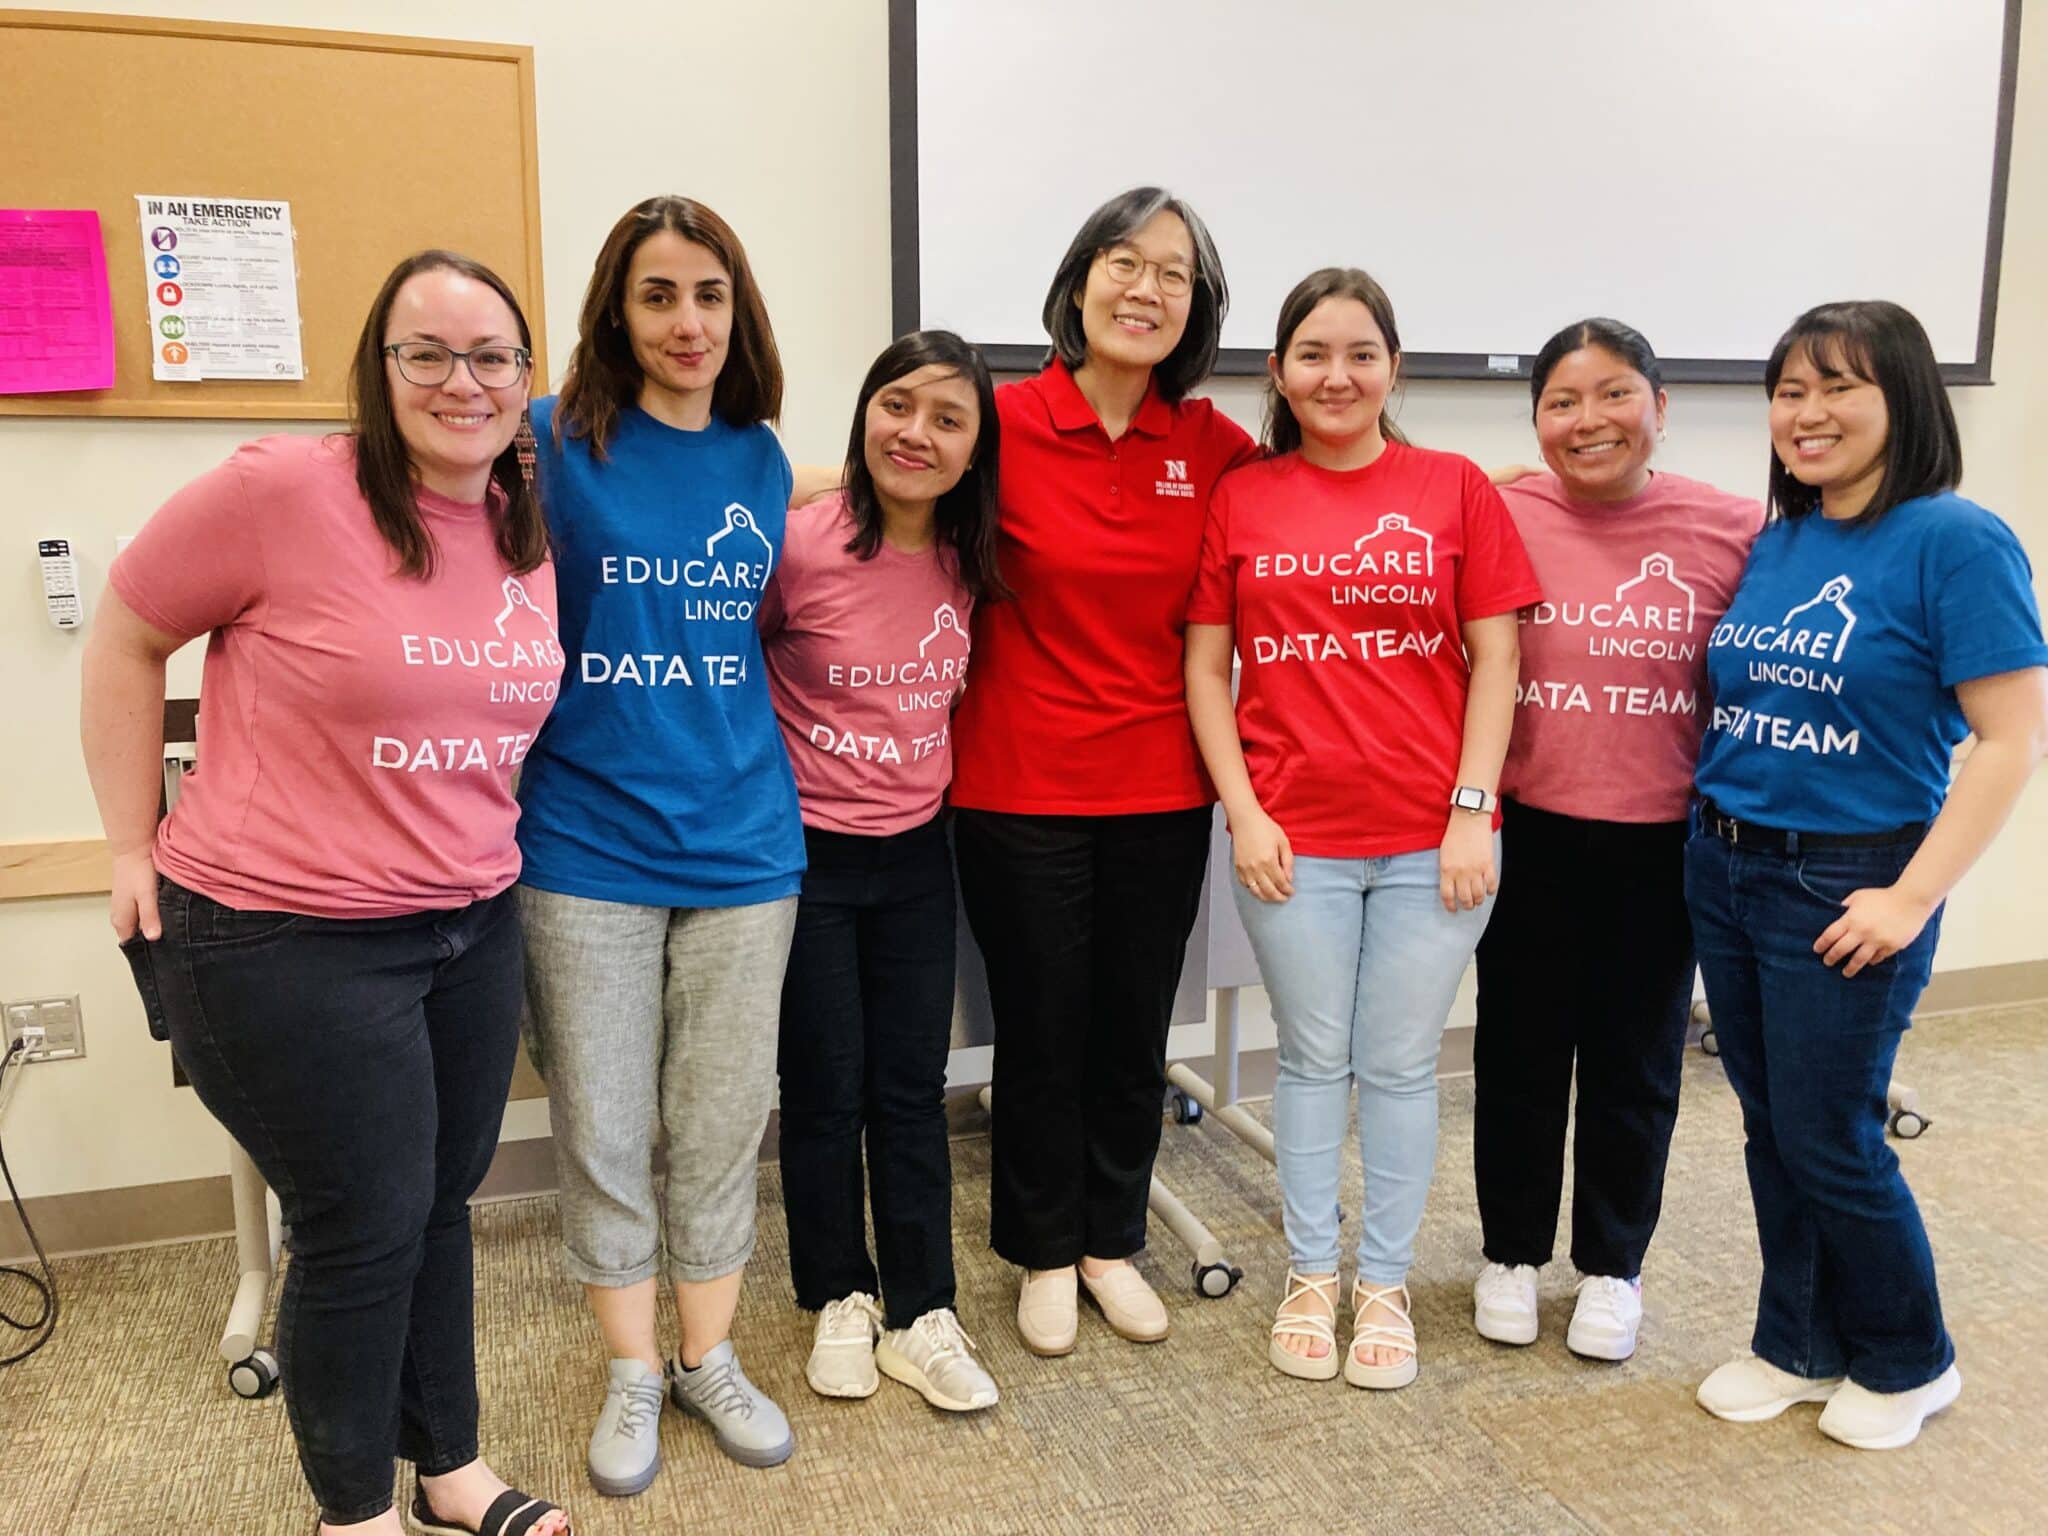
column 653, row 1023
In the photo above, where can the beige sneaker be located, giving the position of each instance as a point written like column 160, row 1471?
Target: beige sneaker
column 1046, row 1311
column 934, row 1356
column 1131, row 1307
column 842, row 1362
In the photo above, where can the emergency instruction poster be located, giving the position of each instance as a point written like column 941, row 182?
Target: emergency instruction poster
column 223, row 288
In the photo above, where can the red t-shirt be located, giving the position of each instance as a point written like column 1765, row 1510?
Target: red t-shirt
column 1347, row 590
column 1075, row 705
column 358, row 729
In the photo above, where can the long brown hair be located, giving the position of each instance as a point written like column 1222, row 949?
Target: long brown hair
column 604, row 378
column 384, row 470
column 1283, row 432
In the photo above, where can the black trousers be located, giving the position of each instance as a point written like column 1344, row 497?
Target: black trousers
column 363, row 1065
column 867, row 1014
column 1083, row 922
column 1589, row 962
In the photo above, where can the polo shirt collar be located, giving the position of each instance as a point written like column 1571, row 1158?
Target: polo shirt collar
column 1071, row 411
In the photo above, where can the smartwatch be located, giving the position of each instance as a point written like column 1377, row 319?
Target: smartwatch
column 1467, row 798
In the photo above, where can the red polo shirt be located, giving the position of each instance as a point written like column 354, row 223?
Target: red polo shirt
column 1075, row 705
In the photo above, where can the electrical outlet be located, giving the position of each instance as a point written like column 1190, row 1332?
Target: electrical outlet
column 49, row 1028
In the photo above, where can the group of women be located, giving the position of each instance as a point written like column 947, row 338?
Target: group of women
column 743, row 716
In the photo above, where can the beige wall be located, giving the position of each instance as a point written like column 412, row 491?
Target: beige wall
column 775, row 112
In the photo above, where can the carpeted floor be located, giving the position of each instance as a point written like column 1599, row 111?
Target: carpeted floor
column 125, row 1424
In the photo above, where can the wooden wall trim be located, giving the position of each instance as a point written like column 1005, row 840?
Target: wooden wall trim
column 78, row 868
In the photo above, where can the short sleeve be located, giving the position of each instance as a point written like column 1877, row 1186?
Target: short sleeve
column 1494, row 573
column 1214, row 599
column 197, row 564
column 1982, row 616
column 769, row 617
column 1229, row 444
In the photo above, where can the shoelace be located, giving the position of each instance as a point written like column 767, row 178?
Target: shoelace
column 849, row 1319
column 725, row 1391
column 1503, row 1281
column 942, row 1330
column 640, row 1406
column 1602, row 1295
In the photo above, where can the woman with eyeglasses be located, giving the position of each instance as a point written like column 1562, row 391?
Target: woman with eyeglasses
column 1082, row 824
column 663, row 849
column 323, row 927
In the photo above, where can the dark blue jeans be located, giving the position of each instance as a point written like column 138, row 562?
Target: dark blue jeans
column 867, row 1014
column 363, row 1065
column 1848, row 1285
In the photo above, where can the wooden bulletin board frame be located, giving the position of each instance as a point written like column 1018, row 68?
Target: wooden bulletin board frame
column 382, row 145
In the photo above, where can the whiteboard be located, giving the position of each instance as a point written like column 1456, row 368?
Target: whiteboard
column 1701, row 171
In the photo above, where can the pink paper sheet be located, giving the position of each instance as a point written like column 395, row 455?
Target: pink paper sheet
column 56, row 320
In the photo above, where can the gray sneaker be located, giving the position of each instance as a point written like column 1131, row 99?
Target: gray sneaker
column 750, row 1428
column 625, row 1448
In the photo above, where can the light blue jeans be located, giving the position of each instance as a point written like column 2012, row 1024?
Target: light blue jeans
column 1361, row 963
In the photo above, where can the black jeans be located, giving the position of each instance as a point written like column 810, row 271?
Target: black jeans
column 867, row 1014
column 1588, row 959
column 363, row 1065
column 1083, row 922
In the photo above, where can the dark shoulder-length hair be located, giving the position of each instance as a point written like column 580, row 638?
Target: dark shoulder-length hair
column 1117, row 220
column 604, row 378
column 1610, row 336
column 1282, row 431
column 384, row 470
column 1882, row 343
column 966, row 514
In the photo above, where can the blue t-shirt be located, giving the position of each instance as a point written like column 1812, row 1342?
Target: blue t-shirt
column 1834, row 671
column 660, row 778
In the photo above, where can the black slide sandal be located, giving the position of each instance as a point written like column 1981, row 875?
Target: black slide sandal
column 512, row 1513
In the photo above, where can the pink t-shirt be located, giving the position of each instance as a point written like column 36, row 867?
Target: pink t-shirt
column 357, row 729
column 865, row 661
column 1348, row 592
column 1611, row 704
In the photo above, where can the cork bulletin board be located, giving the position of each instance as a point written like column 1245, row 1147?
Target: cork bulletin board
column 349, row 128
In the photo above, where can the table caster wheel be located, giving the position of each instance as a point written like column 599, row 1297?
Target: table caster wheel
column 1710, row 1043
column 255, row 1376
column 1214, row 1280
column 1906, row 1124
column 1186, row 1111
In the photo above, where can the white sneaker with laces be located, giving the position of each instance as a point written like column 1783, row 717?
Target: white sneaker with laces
column 1748, row 1390
column 933, row 1355
column 1604, row 1322
column 842, row 1362
column 1504, row 1303
column 1884, row 1421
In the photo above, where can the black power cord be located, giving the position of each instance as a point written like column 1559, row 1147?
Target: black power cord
column 45, row 1287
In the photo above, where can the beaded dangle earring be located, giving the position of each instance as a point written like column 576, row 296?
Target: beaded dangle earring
column 522, row 442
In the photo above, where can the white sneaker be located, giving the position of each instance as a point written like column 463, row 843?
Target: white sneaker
column 1748, row 1390
column 1504, row 1303
column 932, row 1355
column 842, row 1362
column 1884, row 1421
column 1605, row 1321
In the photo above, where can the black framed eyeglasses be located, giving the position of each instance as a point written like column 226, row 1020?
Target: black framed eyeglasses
column 428, row 363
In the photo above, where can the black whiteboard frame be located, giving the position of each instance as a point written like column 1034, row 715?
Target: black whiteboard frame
column 1007, row 357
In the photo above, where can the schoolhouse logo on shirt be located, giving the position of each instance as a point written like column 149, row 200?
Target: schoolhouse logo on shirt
column 516, row 598
column 727, row 584
column 1650, row 618
column 1175, row 483
column 1800, row 652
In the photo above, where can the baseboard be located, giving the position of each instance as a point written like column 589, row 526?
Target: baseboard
column 92, row 1221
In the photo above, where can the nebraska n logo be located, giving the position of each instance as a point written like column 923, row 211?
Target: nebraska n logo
column 1177, row 469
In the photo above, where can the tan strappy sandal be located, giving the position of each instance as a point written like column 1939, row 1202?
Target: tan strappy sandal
column 1400, row 1335
column 1305, row 1325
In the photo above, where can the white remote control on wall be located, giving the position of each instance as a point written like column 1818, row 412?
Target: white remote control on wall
column 60, row 583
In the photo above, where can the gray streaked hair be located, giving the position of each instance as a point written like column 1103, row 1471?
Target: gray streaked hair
column 1194, row 357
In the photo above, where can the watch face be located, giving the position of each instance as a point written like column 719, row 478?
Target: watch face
column 1469, row 800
